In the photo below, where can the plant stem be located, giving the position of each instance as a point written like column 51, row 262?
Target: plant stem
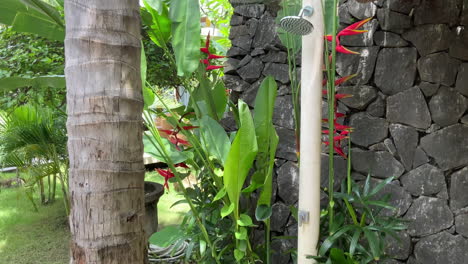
column 331, row 68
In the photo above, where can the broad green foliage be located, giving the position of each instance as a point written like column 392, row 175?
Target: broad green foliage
column 33, row 16
column 240, row 157
column 185, row 34
column 215, row 138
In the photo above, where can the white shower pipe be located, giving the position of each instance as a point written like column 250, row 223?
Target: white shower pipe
column 310, row 142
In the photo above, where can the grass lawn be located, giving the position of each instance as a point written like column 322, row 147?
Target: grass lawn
column 30, row 237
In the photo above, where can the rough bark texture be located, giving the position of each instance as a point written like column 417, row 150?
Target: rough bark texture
column 105, row 131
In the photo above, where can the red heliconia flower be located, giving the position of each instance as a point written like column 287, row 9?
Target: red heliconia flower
column 213, row 67
column 168, row 131
column 338, row 81
column 342, row 96
column 167, row 174
column 205, row 61
column 348, row 31
column 176, row 141
column 214, row 56
column 189, row 127
column 338, row 115
column 181, row 165
column 353, row 29
column 205, row 50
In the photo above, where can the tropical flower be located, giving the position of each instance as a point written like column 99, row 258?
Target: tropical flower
column 167, row 173
column 207, row 61
column 348, row 31
column 173, row 135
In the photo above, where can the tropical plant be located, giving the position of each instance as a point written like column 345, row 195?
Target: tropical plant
column 33, row 139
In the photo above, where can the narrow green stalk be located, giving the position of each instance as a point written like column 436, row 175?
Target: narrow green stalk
column 331, row 68
column 267, row 241
column 349, row 165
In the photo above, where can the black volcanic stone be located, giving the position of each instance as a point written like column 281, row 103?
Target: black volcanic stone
column 462, row 79
column 409, row 107
column 428, row 215
column 288, row 182
column 437, row 12
column 398, row 249
column 441, row 248
column 401, row 6
column 393, row 21
column 279, row 71
column 395, row 70
column 368, row 130
column 448, row 146
column 252, row 71
column 420, row 157
column 459, row 47
column 429, row 89
column 438, row 68
column 447, row 106
column 380, row 164
column 283, row 112
column 250, row 10
column 424, row 180
column 361, row 95
column 265, row 32
column 361, row 10
column 458, row 187
column 429, row 38
column 362, row 64
column 387, row 39
column 406, row 141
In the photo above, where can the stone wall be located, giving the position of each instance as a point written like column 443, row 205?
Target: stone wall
column 409, row 111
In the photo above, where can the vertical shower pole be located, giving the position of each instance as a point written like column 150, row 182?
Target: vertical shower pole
column 310, row 142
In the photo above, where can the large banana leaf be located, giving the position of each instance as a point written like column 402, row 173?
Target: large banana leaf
column 266, row 137
column 241, row 156
column 158, row 22
column 32, row 16
column 185, row 17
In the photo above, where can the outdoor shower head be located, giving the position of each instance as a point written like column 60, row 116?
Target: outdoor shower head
column 298, row 25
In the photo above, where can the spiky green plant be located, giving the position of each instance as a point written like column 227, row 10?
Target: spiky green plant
column 33, row 139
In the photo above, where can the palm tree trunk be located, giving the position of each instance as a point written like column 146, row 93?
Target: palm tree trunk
column 42, row 191
column 104, row 104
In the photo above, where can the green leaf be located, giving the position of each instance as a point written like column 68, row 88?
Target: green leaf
column 220, row 98
column 32, row 16
column 267, row 139
column 238, row 254
column 220, row 194
column 245, row 220
column 174, row 155
column 241, row 156
column 155, row 4
column 380, row 186
column 185, row 17
column 167, row 236
column 373, row 242
column 215, row 138
column 242, row 234
column 329, row 16
column 202, row 246
column 263, row 212
column 329, row 242
column 354, row 241
column 227, row 210
column 158, row 22
column 12, row 83
column 24, row 22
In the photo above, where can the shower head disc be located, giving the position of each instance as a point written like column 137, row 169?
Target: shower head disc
column 296, row 25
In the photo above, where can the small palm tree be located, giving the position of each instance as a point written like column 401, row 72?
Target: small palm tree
column 33, row 139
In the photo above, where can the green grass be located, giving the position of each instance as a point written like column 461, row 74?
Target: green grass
column 30, row 237
column 166, row 214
